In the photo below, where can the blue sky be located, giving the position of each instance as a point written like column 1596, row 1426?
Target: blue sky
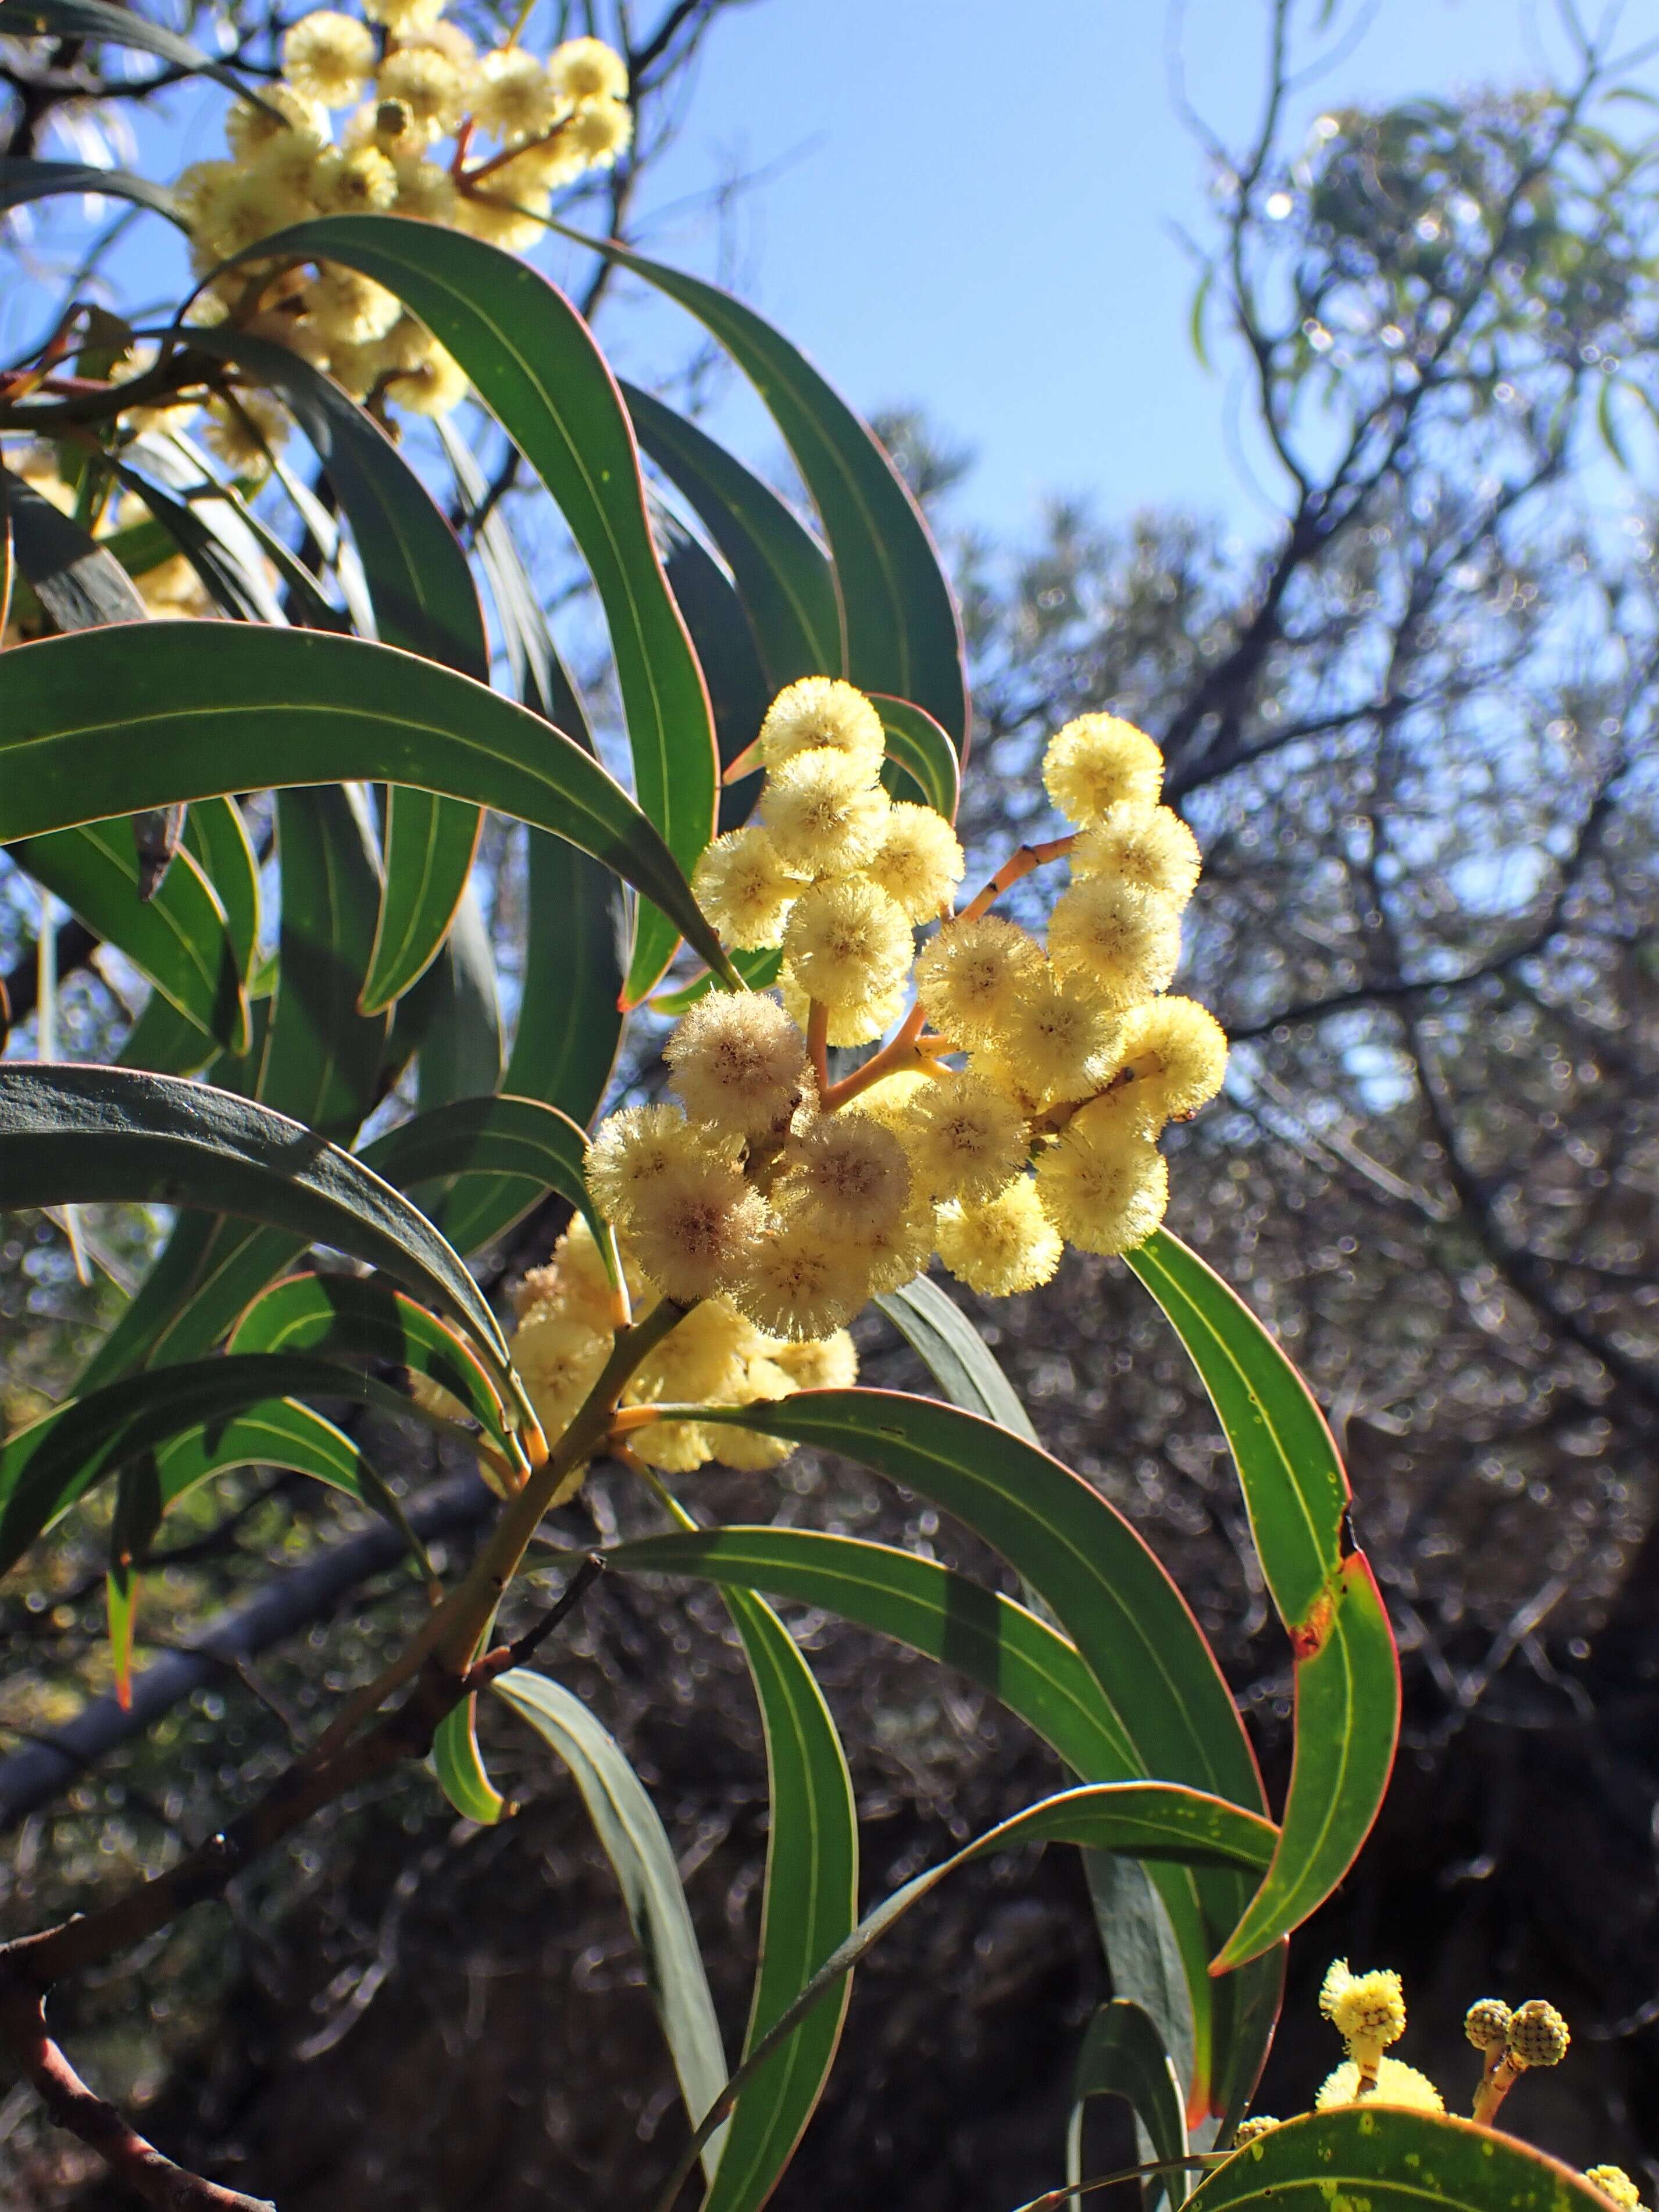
column 972, row 205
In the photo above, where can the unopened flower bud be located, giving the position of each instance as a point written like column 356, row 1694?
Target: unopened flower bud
column 1247, row 2130
column 1613, row 2181
column 1486, row 2023
column 1538, row 2035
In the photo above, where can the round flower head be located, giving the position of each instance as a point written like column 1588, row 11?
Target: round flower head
column 506, row 219
column 1538, row 2035
column 675, row 1447
column 514, row 97
column 822, row 714
column 249, row 130
column 696, row 1227
column 350, row 309
column 1368, row 2011
column 360, row 183
column 824, row 814
column 426, row 190
column 244, row 431
column 1177, row 1053
column 738, row 1061
column 702, row 1359
column 401, row 16
column 1613, row 2181
column 893, row 1250
column 745, row 889
column 919, row 861
column 965, row 1140
column 797, row 1281
column 634, row 1154
column 886, row 1099
column 1397, row 2084
column 1105, row 1184
column 328, row 57
column 433, row 385
column 574, row 1285
column 598, row 132
column 440, row 37
column 433, row 88
column 290, row 171
column 1486, row 2023
column 243, row 210
column 1005, row 1245
column 849, row 1172
column 972, row 975
column 559, row 1358
column 586, row 69
column 1115, row 944
column 1149, row 848
column 763, row 1383
column 198, row 192
column 819, row 1363
column 847, row 945
column 1097, row 761
column 1055, row 1044
column 544, row 165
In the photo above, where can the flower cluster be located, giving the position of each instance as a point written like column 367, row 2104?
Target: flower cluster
column 714, row 1357
column 517, row 127
column 1024, row 1117
column 1368, row 2011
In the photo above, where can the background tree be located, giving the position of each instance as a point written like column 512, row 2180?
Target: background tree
column 1415, row 736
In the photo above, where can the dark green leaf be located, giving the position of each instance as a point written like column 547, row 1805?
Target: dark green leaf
column 105, row 1135
column 217, row 543
column 79, row 582
column 486, row 1142
column 921, row 749
column 359, row 1321
column 46, row 1467
column 782, row 574
column 108, row 730
column 1156, row 1820
column 627, row 1825
column 809, row 1907
column 738, row 690
column 459, row 1767
column 1389, row 2160
column 1296, row 1494
column 279, row 1432
column 100, row 22
column 899, row 621
column 460, row 1049
column 533, row 361
column 1123, row 2056
column 955, row 1354
column 178, row 938
column 22, row 180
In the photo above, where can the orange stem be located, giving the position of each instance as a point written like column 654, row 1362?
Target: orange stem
column 499, row 161
column 1016, row 865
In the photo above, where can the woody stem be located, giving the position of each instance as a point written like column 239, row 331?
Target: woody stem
column 1016, row 865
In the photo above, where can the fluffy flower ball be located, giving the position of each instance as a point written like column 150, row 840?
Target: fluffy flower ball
column 1149, row 848
column 742, row 886
column 1115, row 941
column 1368, row 2011
column 1003, row 1244
column 514, row 96
column 847, row 944
column 822, row 714
column 737, row 1061
column 1103, row 1184
column 824, row 812
column 1397, row 2084
column 972, row 975
column 586, row 69
column 1098, row 762
column 328, row 57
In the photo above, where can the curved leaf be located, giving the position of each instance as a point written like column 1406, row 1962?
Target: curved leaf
column 1156, row 1820
column 1123, row 2056
column 278, row 1432
column 99, row 21
column 83, row 1135
column 918, row 1602
column 955, row 1354
column 1296, row 1494
column 179, row 937
column 321, row 1060
column 47, row 1467
column 460, row 1024
column 810, row 1905
column 569, row 1025
column 1390, row 2159
column 459, row 1767
column 898, row 618
column 627, row 1825
column 531, row 1147
column 23, row 178
column 533, row 361
column 1127, row 1620
column 108, row 722
column 920, row 747
column 354, row 1320
column 738, row 694
column 782, row 574
column 79, row 582
column 161, row 1040
column 424, row 601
